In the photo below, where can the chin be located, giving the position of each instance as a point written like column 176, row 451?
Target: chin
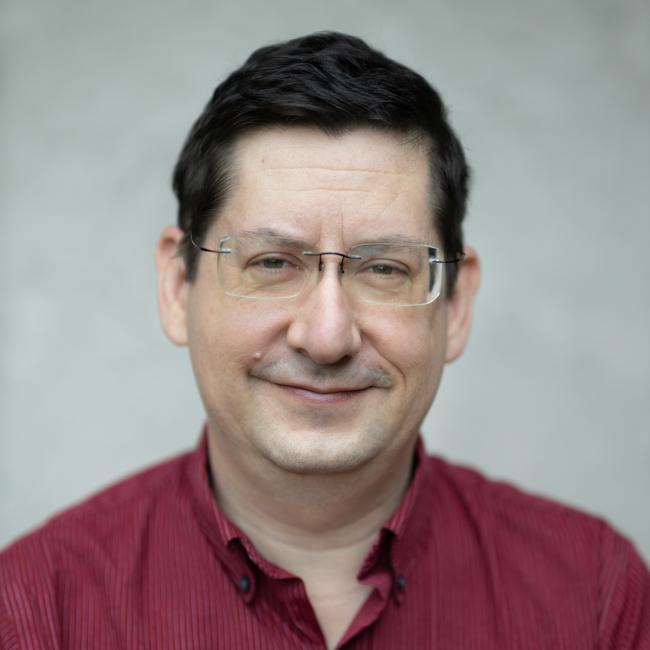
column 317, row 452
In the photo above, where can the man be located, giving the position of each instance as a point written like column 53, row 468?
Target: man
column 319, row 278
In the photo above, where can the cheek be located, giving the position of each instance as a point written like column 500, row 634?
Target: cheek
column 413, row 343
column 228, row 338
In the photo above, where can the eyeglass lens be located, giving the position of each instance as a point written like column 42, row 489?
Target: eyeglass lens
column 399, row 274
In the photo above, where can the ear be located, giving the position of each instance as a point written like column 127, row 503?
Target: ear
column 172, row 285
column 461, row 304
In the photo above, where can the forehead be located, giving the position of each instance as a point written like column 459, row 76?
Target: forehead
column 356, row 185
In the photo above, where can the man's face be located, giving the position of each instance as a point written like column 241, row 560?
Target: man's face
column 320, row 382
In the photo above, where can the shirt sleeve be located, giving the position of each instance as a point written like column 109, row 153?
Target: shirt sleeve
column 27, row 603
column 8, row 637
column 624, row 595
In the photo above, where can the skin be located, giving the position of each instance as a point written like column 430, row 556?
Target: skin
column 314, row 403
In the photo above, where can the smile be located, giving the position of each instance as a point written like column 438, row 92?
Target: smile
column 323, row 396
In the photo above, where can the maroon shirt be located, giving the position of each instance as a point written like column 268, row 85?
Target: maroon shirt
column 464, row 563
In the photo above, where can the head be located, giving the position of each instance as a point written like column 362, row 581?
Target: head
column 334, row 83
column 328, row 142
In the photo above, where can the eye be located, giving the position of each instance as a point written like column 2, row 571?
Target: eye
column 384, row 269
column 273, row 262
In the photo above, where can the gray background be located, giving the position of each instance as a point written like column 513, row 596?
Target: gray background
column 551, row 100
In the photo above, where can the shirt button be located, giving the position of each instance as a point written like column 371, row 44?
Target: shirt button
column 244, row 584
column 401, row 582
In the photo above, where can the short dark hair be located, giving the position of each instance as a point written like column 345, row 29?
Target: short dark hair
column 333, row 82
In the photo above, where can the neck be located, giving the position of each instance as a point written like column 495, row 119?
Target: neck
column 303, row 512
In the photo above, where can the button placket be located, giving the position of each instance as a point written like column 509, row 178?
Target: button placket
column 400, row 583
column 244, row 584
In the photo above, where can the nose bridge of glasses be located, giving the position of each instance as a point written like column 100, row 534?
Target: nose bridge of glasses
column 341, row 262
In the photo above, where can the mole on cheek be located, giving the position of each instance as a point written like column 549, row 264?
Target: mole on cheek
column 257, row 356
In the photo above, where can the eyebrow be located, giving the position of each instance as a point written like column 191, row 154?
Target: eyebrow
column 278, row 237
column 396, row 238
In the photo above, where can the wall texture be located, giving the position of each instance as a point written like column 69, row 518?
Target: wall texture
column 551, row 100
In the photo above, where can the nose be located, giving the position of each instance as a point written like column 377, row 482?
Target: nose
column 324, row 326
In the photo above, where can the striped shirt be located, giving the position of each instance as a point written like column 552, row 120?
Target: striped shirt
column 463, row 563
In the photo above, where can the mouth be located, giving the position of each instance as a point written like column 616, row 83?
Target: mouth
column 321, row 395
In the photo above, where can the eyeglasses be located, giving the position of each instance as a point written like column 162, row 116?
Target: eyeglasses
column 261, row 267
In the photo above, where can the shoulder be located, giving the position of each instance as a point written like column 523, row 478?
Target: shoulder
column 516, row 518
column 511, row 509
column 101, row 523
column 547, row 551
column 74, row 556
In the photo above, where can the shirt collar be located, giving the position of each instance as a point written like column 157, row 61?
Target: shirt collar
column 407, row 531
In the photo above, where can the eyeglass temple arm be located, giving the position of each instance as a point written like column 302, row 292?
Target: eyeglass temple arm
column 208, row 250
column 460, row 258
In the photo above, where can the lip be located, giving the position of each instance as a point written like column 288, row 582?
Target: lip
column 314, row 395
